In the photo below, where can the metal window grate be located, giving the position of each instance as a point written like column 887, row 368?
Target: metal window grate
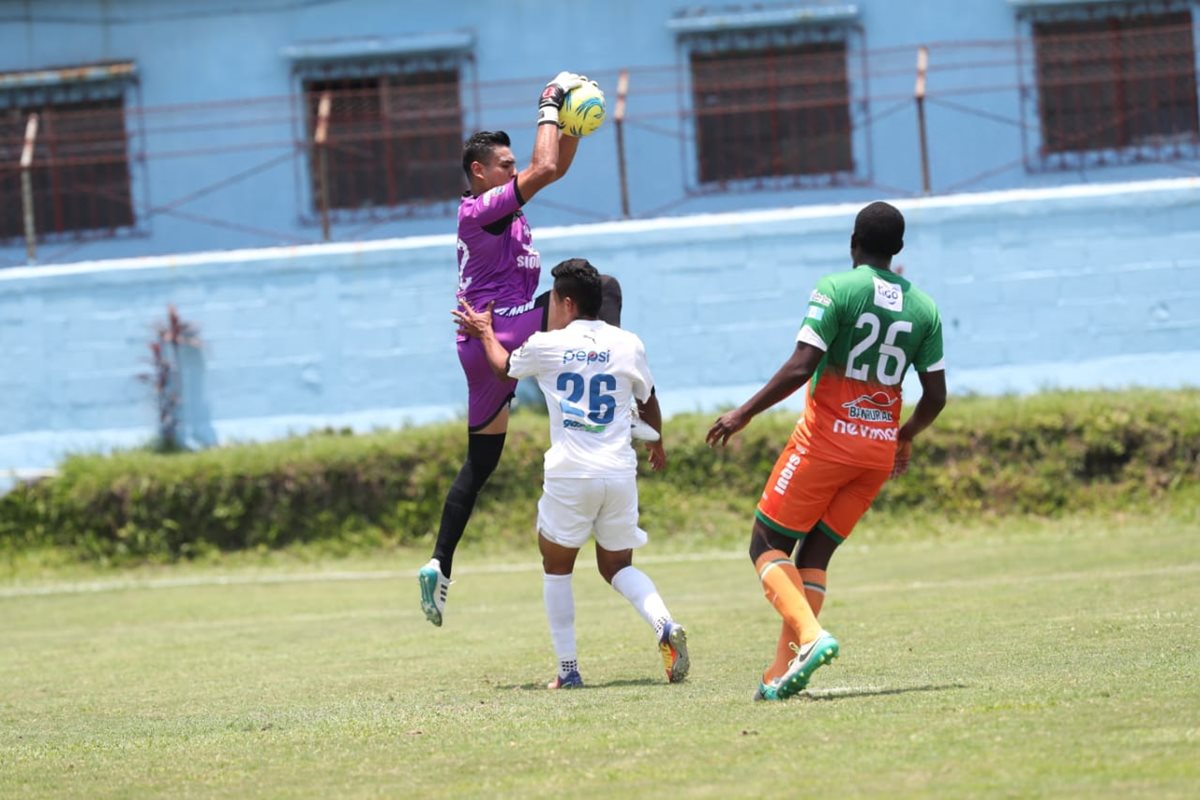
column 80, row 172
column 1118, row 82
column 775, row 105
column 394, row 137
column 772, row 104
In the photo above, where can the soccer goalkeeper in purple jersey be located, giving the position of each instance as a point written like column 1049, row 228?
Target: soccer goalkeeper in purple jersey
column 498, row 269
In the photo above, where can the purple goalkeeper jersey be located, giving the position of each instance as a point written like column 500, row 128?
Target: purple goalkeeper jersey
column 496, row 260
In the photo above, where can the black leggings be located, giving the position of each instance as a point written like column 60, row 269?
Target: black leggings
column 814, row 552
column 483, row 454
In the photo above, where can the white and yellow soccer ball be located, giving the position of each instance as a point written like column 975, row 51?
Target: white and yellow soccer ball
column 582, row 111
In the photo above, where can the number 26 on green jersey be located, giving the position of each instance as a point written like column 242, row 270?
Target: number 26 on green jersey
column 892, row 361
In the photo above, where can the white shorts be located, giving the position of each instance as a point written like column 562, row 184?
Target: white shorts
column 572, row 508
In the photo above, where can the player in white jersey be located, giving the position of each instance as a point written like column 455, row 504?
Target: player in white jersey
column 591, row 373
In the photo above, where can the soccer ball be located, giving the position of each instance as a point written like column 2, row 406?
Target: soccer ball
column 582, row 110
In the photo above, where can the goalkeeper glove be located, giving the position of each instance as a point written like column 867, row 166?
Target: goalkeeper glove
column 551, row 100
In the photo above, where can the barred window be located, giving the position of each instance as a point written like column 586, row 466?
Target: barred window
column 770, row 108
column 80, row 174
column 1124, row 79
column 394, row 133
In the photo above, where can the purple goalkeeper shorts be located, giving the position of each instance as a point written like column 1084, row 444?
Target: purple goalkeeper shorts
column 487, row 394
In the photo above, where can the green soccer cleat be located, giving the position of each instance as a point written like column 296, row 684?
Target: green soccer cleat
column 767, row 691
column 809, row 657
column 434, row 587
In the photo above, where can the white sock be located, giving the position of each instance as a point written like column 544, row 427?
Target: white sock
column 560, row 613
column 636, row 587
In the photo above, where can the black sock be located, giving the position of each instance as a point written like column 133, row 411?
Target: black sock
column 483, row 454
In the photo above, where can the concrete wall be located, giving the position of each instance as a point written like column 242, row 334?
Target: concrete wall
column 1070, row 286
column 217, row 81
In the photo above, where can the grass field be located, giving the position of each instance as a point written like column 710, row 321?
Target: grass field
column 1020, row 659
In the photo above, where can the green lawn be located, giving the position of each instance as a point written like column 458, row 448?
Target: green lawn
column 1018, row 659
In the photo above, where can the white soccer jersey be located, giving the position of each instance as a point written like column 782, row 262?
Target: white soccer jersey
column 590, row 372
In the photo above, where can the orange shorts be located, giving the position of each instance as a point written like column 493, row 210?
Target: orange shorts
column 803, row 491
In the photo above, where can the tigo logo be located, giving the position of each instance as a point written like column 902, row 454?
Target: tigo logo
column 888, row 295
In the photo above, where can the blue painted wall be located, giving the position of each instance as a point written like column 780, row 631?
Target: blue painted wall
column 1049, row 278
column 219, row 93
column 1072, row 286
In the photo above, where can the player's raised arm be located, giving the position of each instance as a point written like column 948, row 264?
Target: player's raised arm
column 567, row 146
column 794, row 373
column 552, row 151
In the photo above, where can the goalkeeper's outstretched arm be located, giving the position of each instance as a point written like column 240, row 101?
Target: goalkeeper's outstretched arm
column 552, row 151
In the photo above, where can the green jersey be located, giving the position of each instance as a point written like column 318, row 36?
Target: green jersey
column 872, row 324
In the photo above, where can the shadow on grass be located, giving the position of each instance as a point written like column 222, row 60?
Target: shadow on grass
column 874, row 691
column 541, row 687
column 840, row 693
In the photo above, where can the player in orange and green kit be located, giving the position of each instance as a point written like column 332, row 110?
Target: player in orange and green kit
column 862, row 330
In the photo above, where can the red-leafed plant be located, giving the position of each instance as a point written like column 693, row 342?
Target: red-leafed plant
column 166, row 374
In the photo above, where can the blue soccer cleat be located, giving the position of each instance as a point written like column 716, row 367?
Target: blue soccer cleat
column 573, row 680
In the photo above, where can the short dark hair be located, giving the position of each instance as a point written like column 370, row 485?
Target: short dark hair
column 579, row 280
column 480, row 146
column 879, row 230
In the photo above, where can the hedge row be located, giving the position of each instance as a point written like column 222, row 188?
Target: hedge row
column 1043, row 454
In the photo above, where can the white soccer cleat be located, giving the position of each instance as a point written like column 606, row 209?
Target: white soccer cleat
column 641, row 431
column 434, row 588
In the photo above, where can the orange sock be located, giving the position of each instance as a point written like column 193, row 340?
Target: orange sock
column 784, row 590
column 813, row 581
column 814, row 588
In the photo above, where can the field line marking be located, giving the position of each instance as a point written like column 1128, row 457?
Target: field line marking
column 258, row 579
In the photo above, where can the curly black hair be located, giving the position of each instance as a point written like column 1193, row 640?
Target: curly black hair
column 879, row 230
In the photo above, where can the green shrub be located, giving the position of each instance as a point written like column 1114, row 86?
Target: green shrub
column 1043, row 454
